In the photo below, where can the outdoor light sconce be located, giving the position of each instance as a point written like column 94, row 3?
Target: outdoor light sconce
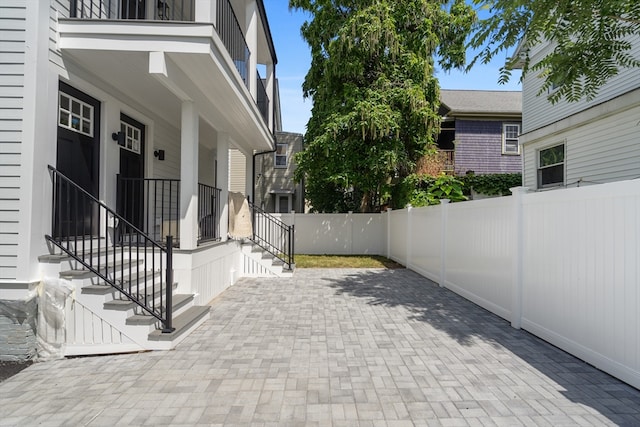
column 159, row 154
column 118, row 137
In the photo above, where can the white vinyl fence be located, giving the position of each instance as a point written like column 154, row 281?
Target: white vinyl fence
column 564, row 264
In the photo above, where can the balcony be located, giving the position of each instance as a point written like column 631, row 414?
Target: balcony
column 192, row 48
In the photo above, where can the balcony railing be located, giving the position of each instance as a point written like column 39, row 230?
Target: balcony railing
column 447, row 157
column 208, row 213
column 158, row 10
column 263, row 98
column 231, row 34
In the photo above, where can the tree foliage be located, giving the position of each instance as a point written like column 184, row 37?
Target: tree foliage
column 375, row 98
column 591, row 41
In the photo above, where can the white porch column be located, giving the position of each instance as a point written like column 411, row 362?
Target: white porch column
column 205, row 11
column 189, row 177
column 222, row 178
column 270, row 93
column 251, row 38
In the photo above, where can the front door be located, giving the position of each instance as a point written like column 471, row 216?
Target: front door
column 130, row 183
column 77, row 157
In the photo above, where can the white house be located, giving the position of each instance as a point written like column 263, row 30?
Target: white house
column 116, row 121
column 581, row 143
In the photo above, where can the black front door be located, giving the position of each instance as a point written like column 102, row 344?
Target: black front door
column 130, row 180
column 78, row 156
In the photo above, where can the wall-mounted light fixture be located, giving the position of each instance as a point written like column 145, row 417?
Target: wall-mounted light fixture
column 118, row 137
column 159, row 154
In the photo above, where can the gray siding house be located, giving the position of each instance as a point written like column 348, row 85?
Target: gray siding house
column 276, row 190
column 480, row 131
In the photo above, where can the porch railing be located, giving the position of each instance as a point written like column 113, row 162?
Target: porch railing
column 231, row 34
column 447, row 157
column 273, row 235
column 158, row 10
column 83, row 227
column 208, row 213
column 262, row 98
column 151, row 205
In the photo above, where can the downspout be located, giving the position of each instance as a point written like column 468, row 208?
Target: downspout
column 253, row 171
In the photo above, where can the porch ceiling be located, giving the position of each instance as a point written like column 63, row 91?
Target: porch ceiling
column 188, row 63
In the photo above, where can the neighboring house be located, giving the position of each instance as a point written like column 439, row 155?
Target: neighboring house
column 117, row 118
column 276, row 190
column 479, row 131
column 581, row 143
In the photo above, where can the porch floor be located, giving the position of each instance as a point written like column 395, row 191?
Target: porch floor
column 330, row 348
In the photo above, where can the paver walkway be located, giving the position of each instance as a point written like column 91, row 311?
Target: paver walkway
column 330, row 348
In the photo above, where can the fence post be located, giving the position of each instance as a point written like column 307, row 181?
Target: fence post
column 444, row 208
column 389, row 233
column 409, row 237
column 518, row 232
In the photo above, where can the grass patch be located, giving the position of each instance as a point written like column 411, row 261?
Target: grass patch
column 344, row 261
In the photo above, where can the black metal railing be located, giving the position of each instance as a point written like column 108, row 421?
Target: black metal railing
column 151, row 205
column 262, row 98
column 84, row 228
column 273, row 235
column 159, row 10
column 231, row 35
column 208, row 213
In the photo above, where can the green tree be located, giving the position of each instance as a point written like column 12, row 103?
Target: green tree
column 375, row 98
column 591, row 40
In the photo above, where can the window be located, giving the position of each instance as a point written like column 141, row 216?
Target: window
column 281, row 156
column 510, row 134
column 75, row 115
column 551, row 166
column 132, row 137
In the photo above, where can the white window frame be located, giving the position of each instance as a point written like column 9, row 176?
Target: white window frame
column 277, row 155
column 280, row 196
column 81, row 118
column 132, row 137
column 539, row 168
column 505, row 139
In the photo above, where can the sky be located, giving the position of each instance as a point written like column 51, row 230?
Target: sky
column 294, row 60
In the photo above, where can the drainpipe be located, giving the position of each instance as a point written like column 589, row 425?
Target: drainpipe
column 253, row 171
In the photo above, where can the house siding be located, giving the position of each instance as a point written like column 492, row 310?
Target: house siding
column 478, row 148
column 281, row 178
column 538, row 112
column 598, row 151
column 237, row 171
column 12, row 67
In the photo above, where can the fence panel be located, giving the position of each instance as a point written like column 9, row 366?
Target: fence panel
column 580, row 273
column 340, row 234
column 425, row 242
column 398, row 234
column 480, row 252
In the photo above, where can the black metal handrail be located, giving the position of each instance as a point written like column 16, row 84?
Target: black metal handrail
column 273, row 235
column 208, row 213
column 82, row 226
column 232, row 37
column 150, row 204
column 161, row 10
column 262, row 99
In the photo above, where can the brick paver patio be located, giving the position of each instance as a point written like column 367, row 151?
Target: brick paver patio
column 330, row 348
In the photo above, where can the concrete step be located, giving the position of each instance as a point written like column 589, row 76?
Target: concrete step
column 178, row 302
column 182, row 323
